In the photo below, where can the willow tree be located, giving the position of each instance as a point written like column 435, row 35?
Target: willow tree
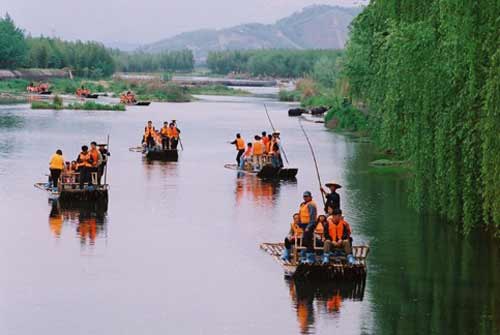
column 429, row 72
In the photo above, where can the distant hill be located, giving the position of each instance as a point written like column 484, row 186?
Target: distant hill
column 315, row 27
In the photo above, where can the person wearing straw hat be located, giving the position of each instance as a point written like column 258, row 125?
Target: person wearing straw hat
column 332, row 197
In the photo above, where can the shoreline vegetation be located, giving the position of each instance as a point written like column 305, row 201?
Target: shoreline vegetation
column 156, row 90
column 58, row 104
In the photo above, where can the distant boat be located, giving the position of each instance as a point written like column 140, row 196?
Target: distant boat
column 170, row 155
column 268, row 172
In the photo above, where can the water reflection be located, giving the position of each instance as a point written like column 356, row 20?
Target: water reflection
column 251, row 188
column 311, row 299
column 86, row 221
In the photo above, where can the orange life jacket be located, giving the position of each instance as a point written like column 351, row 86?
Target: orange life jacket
column 268, row 146
column 319, row 228
column 265, row 140
column 336, row 231
column 95, row 157
column 304, row 211
column 297, row 231
column 258, row 148
column 149, row 132
column 248, row 153
column 165, row 131
column 174, row 132
column 84, row 159
column 240, row 144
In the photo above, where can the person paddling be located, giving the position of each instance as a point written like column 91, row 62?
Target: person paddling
column 332, row 197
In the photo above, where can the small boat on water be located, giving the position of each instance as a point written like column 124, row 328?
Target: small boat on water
column 169, row 155
column 337, row 269
column 140, row 103
column 267, row 172
column 91, row 96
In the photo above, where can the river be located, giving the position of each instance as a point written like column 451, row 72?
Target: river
column 177, row 250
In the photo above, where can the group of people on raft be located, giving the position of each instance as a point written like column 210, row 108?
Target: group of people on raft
column 40, row 88
column 167, row 138
column 128, row 98
column 310, row 231
column 79, row 171
column 82, row 92
column 263, row 150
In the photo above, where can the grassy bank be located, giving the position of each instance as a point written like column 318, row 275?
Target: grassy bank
column 157, row 89
column 217, row 90
column 88, row 105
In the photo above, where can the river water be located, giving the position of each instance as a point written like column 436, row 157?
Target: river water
column 177, row 249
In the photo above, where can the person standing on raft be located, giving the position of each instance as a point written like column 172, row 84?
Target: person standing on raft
column 56, row 166
column 308, row 212
column 84, row 161
column 148, row 137
column 332, row 197
column 239, row 142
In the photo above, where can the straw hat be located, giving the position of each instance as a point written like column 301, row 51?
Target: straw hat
column 334, row 184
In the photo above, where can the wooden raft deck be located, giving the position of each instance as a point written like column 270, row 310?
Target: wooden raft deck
column 268, row 172
column 162, row 155
column 337, row 269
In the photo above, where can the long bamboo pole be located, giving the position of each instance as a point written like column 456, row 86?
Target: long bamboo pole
column 107, row 161
column 272, row 126
column 315, row 161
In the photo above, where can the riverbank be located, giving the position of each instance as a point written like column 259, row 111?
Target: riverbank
column 153, row 89
column 87, row 105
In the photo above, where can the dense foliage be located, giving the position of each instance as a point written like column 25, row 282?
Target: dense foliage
column 274, row 63
column 430, row 73
column 13, row 47
column 154, row 62
column 87, row 59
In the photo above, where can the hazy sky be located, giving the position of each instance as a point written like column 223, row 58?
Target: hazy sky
column 144, row 21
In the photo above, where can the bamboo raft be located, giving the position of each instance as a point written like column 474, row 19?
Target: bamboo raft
column 337, row 269
column 140, row 103
column 267, row 172
column 70, row 190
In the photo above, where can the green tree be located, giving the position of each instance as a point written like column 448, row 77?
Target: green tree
column 13, row 48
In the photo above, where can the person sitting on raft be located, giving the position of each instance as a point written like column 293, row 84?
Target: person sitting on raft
column 307, row 222
column 131, row 98
column 56, row 166
column 337, row 236
column 149, row 134
column 297, row 233
column 239, row 142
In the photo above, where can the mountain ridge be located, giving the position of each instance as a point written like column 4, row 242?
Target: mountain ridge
column 297, row 31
